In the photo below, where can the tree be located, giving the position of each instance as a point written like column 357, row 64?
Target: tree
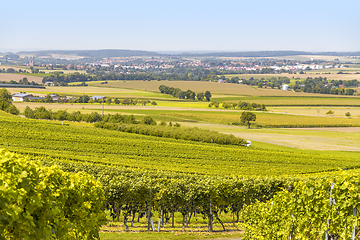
column 207, row 96
column 117, row 101
column 200, row 96
column 348, row 114
column 330, row 112
column 48, row 99
column 5, row 95
column 247, row 117
column 153, row 103
column 149, row 121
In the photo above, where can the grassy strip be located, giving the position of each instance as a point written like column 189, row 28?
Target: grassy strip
column 169, row 235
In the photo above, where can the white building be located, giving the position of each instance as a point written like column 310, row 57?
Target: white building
column 285, row 87
column 19, row 97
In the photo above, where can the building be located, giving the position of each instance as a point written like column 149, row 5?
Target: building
column 95, row 98
column 285, row 87
column 19, row 97
column 55, row 97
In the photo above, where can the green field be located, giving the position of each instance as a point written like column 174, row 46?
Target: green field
column 276, row 153
column 137, row 151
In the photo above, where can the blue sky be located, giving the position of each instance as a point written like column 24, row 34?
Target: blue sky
column 181, row 25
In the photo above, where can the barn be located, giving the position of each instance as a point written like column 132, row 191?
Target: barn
column 19, row 97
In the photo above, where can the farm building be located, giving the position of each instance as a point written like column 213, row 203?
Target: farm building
column 19, row 97
column 285, row 87
column 55, row 97
column 35, row 98
column 95, row 98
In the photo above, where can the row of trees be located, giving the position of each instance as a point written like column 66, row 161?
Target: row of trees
column 189, row 94
column 173, row 131
column 240, row 105
column 270, row 82
column 43, row 113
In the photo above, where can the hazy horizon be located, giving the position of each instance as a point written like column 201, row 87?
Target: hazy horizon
column 186, row 26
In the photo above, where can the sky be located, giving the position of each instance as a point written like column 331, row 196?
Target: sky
column 196, row 25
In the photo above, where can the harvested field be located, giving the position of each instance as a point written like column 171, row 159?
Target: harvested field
column 213, row 87
column 7, row 77
column 332, row 76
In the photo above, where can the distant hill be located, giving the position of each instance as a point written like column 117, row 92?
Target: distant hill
column 108, row 53
column 248, row 54
column 97, row 54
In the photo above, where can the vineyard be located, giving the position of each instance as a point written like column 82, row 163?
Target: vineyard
column 326, row 208
column 146, row 178
column 88, row 144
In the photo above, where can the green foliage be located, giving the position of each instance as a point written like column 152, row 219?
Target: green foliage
column 305, row 210
column 135, row 191
column 149, row 121
column 176, row 132
column 47, row 203
column 165, row 154
column 247, row 117
column 348, row 114
column 5, row 102
column 330, row 112
column 5, row 95
column 177, row 92
column 207, row 96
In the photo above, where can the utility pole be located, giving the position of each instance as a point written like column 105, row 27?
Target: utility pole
column 102, row 106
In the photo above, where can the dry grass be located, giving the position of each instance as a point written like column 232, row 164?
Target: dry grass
column 213, row 87
column 317, row 111
column 7, row 77
column 43, row 69
column 332, row 76
column 324, row 139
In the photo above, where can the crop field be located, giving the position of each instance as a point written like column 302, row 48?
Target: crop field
column 323, row 100
column 7, row 77
column 52, row 139
column 317, row 111
column 311, row 73
column 213, row 87
column 323, row 139
column 107, row 91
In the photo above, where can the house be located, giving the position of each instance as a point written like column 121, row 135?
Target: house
column 95, row 98
column 55, row 97
column 19, row 97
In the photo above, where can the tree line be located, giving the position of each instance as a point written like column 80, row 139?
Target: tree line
column 323, row 86
column 189, row 94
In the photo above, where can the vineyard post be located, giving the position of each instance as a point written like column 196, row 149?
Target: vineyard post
column 210, row 218
column 327, row 236
column 354, row 231
column 159, row 224
column 354, row 215
column 149, row 211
